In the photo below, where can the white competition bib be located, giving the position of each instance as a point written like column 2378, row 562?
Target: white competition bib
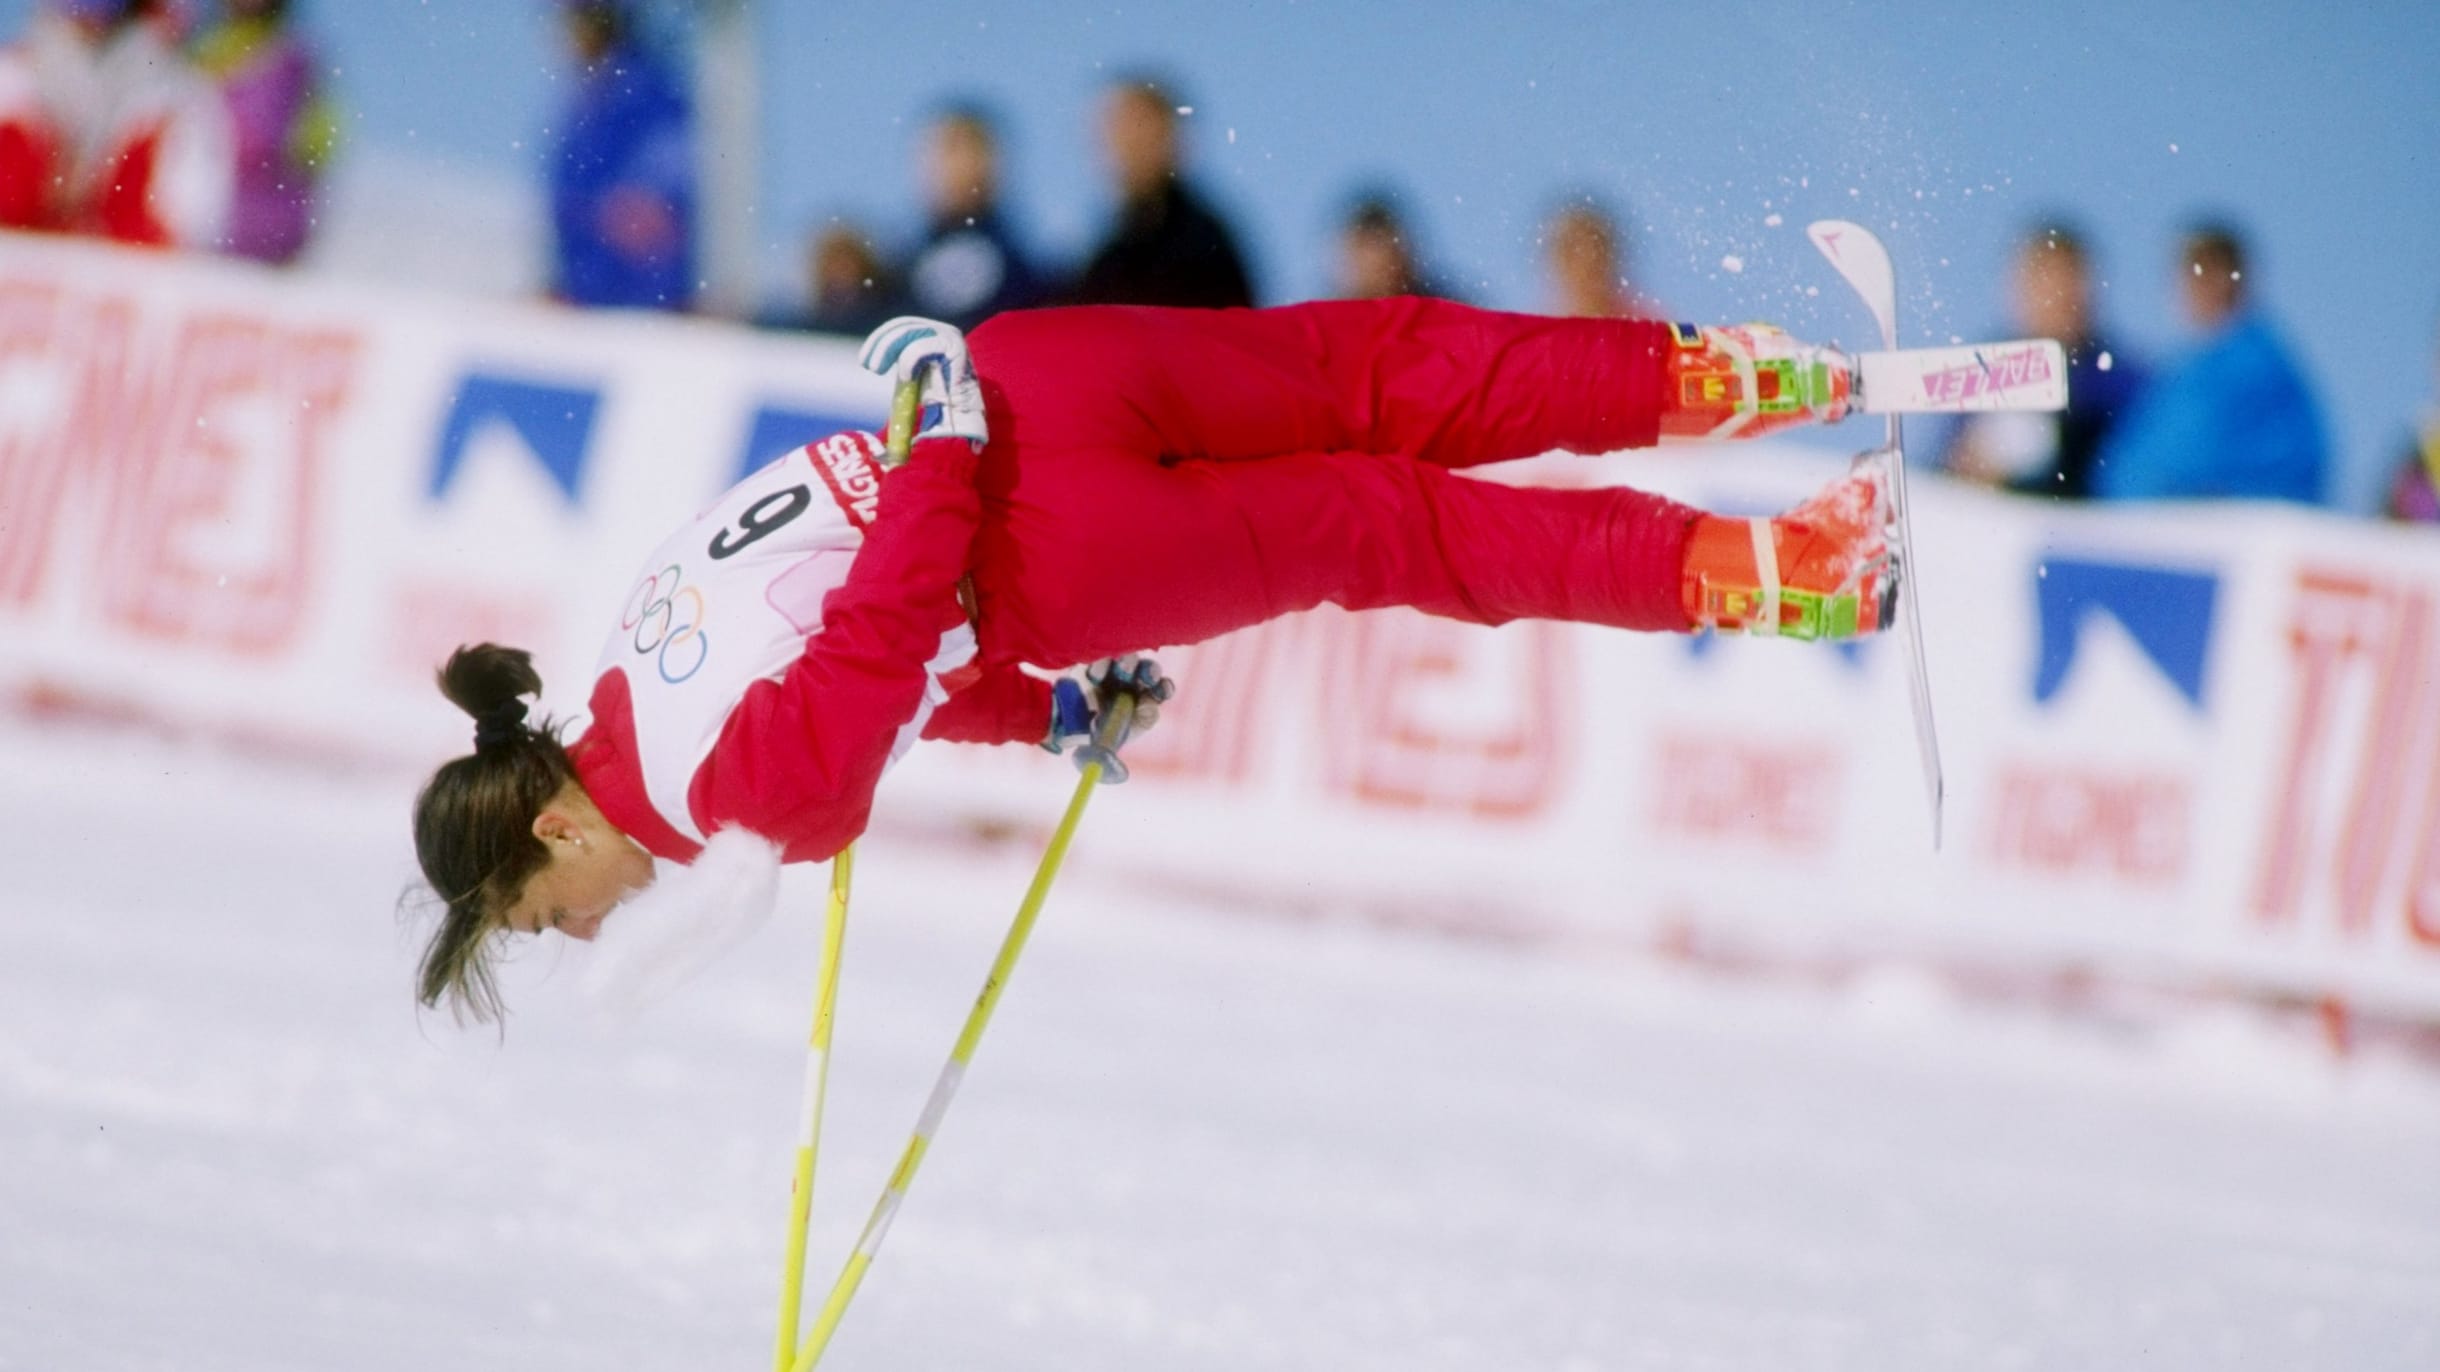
column 730, row 600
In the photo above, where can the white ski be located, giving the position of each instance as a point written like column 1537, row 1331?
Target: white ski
column 1864, row 263
column 2027, row 374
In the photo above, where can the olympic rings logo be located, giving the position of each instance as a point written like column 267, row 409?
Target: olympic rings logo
column 667, row 617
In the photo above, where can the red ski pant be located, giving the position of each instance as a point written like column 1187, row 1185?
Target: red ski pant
column 1160, row 476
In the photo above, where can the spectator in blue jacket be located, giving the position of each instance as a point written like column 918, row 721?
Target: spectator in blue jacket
column 623, row 174
column 2235, row 418
column 969, row 265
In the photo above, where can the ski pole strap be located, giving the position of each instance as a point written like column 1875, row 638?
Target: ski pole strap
column 1099, row 758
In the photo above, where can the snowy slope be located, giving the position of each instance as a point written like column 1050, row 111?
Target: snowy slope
column 1194, row 1139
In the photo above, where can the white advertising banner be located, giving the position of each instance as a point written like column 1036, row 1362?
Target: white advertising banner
column 2200, row 745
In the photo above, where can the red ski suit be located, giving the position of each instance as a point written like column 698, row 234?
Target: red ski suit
column 1158, row 477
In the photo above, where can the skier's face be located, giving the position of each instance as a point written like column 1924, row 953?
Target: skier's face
column 592, row 868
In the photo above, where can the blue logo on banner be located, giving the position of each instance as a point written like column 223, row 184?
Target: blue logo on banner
column 777, row 432
column 555, row 423
column 2168, row 612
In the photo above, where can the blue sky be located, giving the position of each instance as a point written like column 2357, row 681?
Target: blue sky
column 1943, row 126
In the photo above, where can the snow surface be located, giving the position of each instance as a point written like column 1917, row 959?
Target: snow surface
column 1194, row 1138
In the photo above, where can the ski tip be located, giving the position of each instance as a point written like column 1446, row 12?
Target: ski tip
column 1837, row 237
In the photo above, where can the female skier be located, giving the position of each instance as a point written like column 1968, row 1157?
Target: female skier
column 1090, row 482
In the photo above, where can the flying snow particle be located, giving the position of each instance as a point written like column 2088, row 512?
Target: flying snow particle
column 1186, row 109
column 2105, row 362
column 1732, row 263
column 2173, row 147
column 1772, row 220
column 1232, row 134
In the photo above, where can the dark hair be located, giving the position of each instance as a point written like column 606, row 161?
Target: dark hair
column 1376, row 210
column 2216, row 247
column 972, row 115
column 2061, row 236
column 1155, row 90
column 474, row 822
column 1592, row 211
column 613, row 20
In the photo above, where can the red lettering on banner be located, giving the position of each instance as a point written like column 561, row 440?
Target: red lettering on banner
column 1414, row 713
column 2362, row 656
column 2064, row 821
column 188, row 452
column 1783, row 796
column 33, row 474
column 1389, row 746
column 1235, row 688
column 2423, row 889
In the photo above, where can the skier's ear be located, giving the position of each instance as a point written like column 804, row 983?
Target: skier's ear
column 556, row 827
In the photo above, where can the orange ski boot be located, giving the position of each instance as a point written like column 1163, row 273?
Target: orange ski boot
column 1824, row 570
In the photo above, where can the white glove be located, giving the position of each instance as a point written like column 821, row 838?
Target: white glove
column 1076, row 707
column 932, row 354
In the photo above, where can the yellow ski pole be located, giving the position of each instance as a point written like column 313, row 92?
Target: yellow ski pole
column 809, row 1121
column 1096, row 758
column 905, row 405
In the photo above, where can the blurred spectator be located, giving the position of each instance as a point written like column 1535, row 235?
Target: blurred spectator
column 2051, row 454
column 2414, row 490
column 1586, row 253
column 623, row 174
column 2234, row 418
column 106, row 129
column 1377, row 253
column 850, row 291
column 969, row 265
column 1167, row 246
column 285, row 126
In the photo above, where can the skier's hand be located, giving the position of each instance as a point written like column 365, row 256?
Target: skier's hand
column 1077, row 706
column 910, row 348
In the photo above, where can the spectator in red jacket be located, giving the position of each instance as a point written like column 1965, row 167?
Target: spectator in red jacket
column 106, row 129
column 1095, row 481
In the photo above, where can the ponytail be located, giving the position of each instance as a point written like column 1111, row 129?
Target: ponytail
column 474, row 822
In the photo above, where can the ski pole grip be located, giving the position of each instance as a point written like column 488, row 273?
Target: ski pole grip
column 1108, row 732
column 906, row 403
